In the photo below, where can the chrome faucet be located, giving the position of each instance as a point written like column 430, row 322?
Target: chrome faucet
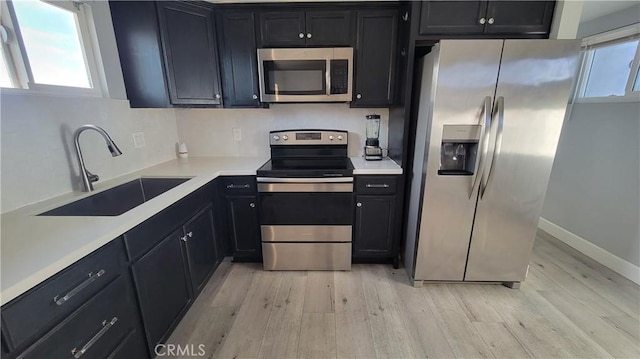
column 87, row 177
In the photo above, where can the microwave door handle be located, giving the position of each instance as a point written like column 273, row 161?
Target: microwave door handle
column 327, row 77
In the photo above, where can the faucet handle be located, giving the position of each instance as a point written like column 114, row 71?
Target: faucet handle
column 92, row 177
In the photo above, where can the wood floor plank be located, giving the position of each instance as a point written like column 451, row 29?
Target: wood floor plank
column 283, row 329
column 245, row 338
column 235, row 287
column 625, row 325
column 317, row 336
column 319, row 297
column 540, row 327
column 474, row 303
column 538, row 281
column 595, row 327
column 426, row 337
column 462, row 336
column 390, row 336
column 501, row 341
column 353, row 333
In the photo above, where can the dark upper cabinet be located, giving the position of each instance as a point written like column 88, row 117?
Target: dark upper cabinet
column 189, row 43
column 528, row 17
column 374, row 226
column 202, row 257
column 136, row 28
column 244, row 227
column 236, row 34
column 310, row 28
column 485, row 18
column 375, row 58
column 162, row 284
column 451, row 17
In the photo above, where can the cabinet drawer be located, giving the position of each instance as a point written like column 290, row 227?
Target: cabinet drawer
column 94, row 331
column 132, row 346
column 40, row 308
column 239, row 184
column 376, row 184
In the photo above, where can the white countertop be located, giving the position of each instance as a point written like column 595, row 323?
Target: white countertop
column 35, row 248
column 386, row 166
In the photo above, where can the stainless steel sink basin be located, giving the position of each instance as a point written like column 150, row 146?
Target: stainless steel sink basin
column 117, row 200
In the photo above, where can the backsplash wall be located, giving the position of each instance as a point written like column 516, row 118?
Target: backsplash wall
column 209, row 132
column 38, row 154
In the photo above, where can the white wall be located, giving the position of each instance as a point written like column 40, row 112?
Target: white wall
column 209, row 132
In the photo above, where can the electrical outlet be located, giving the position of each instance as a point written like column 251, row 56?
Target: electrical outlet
column 237, row 134
column 138, row 139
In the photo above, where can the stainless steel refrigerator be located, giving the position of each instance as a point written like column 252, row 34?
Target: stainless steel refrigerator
column 489, row 119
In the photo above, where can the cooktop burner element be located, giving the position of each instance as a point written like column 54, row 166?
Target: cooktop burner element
column 308, row 153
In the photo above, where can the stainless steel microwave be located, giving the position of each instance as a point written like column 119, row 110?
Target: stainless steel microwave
column 306, row 74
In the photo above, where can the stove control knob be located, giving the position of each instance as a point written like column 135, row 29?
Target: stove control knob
column 339, row 137
column 276, row 137
column 331, row 137
column 285, row 137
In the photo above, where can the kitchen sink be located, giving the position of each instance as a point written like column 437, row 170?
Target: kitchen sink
column 117, row 200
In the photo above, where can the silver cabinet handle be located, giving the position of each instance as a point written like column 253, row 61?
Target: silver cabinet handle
column 235, row 186
column 491, row 21
column 482, row 21
column 255, row 97
column 105, row 326
column 92, row 277
column 183, row 238
column 359, row 96
column 359, row 204
column 405, row 17
column 301, row 35
column 384, row 185
column 252, row 205
column 190, row 234
column 308, row 35
column 217, row 96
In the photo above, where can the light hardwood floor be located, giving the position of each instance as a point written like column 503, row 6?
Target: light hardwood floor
column 569, row 307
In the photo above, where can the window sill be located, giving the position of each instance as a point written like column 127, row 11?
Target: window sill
column 609, row 99
column 54, row 91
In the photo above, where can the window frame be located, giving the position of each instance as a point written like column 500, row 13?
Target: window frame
column 20, row 70
column 627, row 33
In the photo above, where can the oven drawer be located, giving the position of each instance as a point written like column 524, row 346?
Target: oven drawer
column 306, row 233
column 306, row 256
column 306, row 208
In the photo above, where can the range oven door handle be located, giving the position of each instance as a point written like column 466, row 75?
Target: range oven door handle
column 305, row 180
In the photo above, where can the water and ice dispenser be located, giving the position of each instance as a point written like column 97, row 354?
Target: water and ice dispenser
column 459, row 150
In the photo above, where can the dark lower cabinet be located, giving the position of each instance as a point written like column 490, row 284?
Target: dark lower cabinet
column 189, row 43
column 199, row 242
column 238, row 58
column 162, row 284
column 375, row 58
column 244, row 227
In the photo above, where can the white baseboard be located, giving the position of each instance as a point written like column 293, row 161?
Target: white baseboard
column 624, row 268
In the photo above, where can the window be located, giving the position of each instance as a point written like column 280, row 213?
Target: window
column 610, row 66
column 47, row 47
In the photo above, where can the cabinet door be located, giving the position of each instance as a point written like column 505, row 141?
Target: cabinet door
column 519, row 17
column 163, row 292
column 375, row 58
column 374, row 226
column 282, row 29
column 244, row 227
column 452, row 17
column 238, row 59
column 199, row 241
column 329, row 28
column 188, row 40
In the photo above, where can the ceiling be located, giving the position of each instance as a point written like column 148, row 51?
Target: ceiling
column 592, row 9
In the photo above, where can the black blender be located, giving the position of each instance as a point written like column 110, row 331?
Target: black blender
column 372, row 150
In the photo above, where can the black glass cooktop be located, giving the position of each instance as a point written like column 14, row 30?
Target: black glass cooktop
column 307, row 167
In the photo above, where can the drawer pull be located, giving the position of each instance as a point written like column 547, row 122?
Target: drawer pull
column 105, row 326
column 384, row 185
column 234, row 186
column 92, row 277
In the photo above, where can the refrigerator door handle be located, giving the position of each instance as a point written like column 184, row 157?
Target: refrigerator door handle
column 498, row 143
column 484, row 144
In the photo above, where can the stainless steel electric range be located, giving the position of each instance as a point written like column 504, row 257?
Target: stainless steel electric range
column 306, row 201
